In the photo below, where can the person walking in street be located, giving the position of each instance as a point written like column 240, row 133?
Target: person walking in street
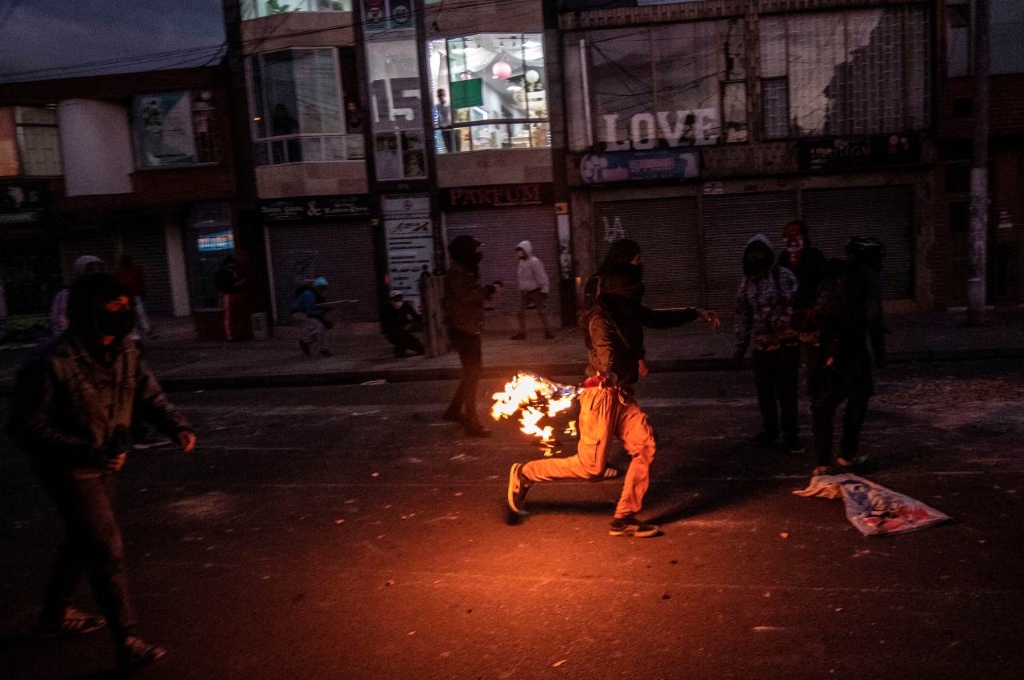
column 86, row 264
column 463, row 304
column 808, row 266
column 229, row 284
column 614, row 325
column 131, row 276
column 397, row 320
column 848, row 313
column 764, row 308
column 310, row 311
column 534, row 289
column 73, row 404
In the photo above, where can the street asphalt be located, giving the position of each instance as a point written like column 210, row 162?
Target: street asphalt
column 347, row 533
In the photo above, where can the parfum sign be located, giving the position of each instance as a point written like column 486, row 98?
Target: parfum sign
column 644, row 131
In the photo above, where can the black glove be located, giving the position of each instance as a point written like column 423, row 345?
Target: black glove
column 120, row 442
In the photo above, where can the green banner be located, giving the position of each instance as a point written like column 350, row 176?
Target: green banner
column 466, row 93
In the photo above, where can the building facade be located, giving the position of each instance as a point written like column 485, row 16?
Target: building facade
column 694, row 126
column 137, row 164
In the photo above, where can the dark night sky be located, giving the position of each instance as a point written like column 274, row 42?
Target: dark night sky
column 65, row 36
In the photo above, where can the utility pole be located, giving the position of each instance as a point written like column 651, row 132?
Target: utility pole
column 979, row 170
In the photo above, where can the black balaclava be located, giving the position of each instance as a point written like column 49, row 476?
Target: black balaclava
column 463, row 250
column 87, row 318
column 622, row 286
column 621, row 252
column 758, row 258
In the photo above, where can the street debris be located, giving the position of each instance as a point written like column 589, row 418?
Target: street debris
column 372, row 383
column 874, row 509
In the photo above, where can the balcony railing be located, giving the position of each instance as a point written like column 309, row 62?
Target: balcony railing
column 309, row 149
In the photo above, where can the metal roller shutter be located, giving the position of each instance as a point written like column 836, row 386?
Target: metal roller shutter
column 343, row 253
column 834, row 215
column 501, row 231
column 729, row 222
column 667, row 233
column 148, row 247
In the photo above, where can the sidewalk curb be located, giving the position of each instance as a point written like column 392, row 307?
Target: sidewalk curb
column 560, row 370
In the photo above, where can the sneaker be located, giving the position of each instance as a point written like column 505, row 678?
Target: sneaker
column 477, row 430
column 518, row 336
column 821, row 470
column 304, row 346
column 852, row 461
column 794, row 445
column 517, row 489
column 150, row 443
column 766, row 438
column 629, row 526
column 136, row 653
column 74, row 622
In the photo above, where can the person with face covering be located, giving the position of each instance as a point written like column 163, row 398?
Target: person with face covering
column 848, row 313
column 72, row 408
column 764, row 307
column 534, row 289
column 397, row 320
column 86, row 264
column 608, row 409
column 463, row 305
column 627, row 251
column 808, row 266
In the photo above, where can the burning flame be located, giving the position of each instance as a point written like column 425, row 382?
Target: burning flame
column 533, row 397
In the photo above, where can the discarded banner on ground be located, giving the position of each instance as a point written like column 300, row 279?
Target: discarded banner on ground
column 872, row 508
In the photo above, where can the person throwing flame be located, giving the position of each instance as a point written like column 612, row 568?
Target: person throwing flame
column 614, row 324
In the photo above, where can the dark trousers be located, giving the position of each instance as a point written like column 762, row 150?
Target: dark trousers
column 404, row 341
column 92, row 547
column 777, row 375
column 468, row 346
column 828, row 391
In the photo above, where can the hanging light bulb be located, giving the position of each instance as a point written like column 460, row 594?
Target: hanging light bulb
column 501, row 70
column 532, row 76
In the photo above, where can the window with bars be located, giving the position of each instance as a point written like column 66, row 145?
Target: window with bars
column 855, row 72
column 38, row 141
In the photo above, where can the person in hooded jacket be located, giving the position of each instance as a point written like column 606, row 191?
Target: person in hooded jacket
column 614, row 324
column 534, row 289
column 86, row 264
column 73, row 405
column 396, row 321
column 310, row 311
column 463, row 305
column 627, row 251
column 848, row 314
column 764, row 308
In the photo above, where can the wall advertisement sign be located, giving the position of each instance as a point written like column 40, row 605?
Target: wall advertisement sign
column 496, row 196
column 164, row 128
column 850, row 153
column 634, row 166
column 409, row 232
column 313, row 209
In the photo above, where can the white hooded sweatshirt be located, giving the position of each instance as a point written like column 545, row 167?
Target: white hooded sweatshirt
column 531, row 271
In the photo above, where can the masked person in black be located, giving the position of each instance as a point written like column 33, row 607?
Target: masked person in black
column 848, row 313
column 397, row 320
column 463, row 303
column 73, row 405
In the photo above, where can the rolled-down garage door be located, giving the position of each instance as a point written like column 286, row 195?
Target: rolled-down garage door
column 343, row 253
column 501, row 230
column 666, row 230
column 729, row 222
column 834, row 215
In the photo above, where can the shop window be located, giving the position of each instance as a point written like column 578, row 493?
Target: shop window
column 38, row 141
column 958, row 39
column 296, row 105
column 399, row 146
column 175, row 129
column 253, row 9
column 489, row 92
column 854, row 72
